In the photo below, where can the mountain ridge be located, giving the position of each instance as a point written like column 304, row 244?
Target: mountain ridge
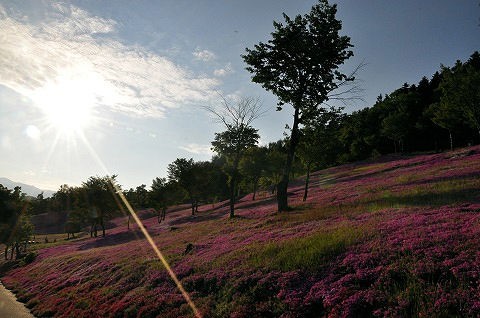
column 28, row 189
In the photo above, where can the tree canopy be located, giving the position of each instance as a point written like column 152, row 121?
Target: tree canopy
column 239, row 135
column 300, row 65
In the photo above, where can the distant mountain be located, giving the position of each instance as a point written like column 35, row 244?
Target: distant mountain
column 26, row 188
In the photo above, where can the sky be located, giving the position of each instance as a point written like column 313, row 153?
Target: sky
column 120, row 87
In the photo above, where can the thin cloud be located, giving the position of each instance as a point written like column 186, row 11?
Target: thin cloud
column 198, row 149
column 224, row 71
column 204, row 55
column 70, row 44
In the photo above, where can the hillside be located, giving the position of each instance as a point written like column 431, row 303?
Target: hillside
column 392, row 238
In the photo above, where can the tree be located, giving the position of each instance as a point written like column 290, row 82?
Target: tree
column 237, row 118
column 182, row 171
column 15, row 226
column 460, row 90
column 64, row 198
column 138, row 197
column 300, row 66
column 445, row 115
column 39, row 204
column 253, row 165
column 395, row 127
column 99, row 200
column 319, row 144
column 276, row 153
column 157, row 196
column 211, row 180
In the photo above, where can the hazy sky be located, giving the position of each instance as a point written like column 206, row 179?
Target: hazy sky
column 90, row 87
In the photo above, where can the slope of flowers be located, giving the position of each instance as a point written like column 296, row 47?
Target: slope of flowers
column 393, row 238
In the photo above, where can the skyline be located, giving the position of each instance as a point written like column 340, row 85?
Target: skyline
column 87, row 89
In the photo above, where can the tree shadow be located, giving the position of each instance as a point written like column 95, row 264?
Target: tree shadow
column 437, row 179
column 430, row 199
column 113, row 239
column 199, row 217
column 256, row 203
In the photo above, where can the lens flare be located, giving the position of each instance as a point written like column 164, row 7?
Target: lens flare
column 157, row 251
column 149, row 239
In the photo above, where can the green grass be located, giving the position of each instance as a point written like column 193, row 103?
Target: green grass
column 436, row 194
column 369, row 167
column 309, row 253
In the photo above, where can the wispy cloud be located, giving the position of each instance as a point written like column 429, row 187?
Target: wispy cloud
column 198, row 149
column 70, row 45
column 224, row 71
column 203, row 55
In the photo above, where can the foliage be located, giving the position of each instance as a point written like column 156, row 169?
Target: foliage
column 238, row 136
column 138, row 197
column 459, row 90
column 252, row 167
column 186, row 174
column 164, row 193
column 395, row 127
column 318, row 147
column 300, row 66
column 15, row 225
column 235, row 140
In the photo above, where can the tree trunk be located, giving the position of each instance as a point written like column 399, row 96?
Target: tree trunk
column 102, row 224
column 307, row 181
column 232, row 202
column 17, row 250
column 233, row 182
column 255, row 185
column 193, row 207
column 292, row 170
column 232, row 194
column 451, row 139
column 93, row 229
column 282, row 200
column 6, row 251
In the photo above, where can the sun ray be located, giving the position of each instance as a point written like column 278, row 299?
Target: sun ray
column 137, row 220
column 158, row 253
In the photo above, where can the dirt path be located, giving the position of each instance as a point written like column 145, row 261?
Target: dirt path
column 10, row 307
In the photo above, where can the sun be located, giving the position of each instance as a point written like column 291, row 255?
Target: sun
column 67, row 104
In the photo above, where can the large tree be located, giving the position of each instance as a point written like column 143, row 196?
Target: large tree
column 300, row 65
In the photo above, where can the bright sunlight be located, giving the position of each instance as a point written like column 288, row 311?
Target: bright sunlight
column 67, row 102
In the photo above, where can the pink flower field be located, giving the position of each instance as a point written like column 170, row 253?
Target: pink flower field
column 397, row 237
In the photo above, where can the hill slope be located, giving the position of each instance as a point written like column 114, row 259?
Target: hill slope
column 397, row 237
